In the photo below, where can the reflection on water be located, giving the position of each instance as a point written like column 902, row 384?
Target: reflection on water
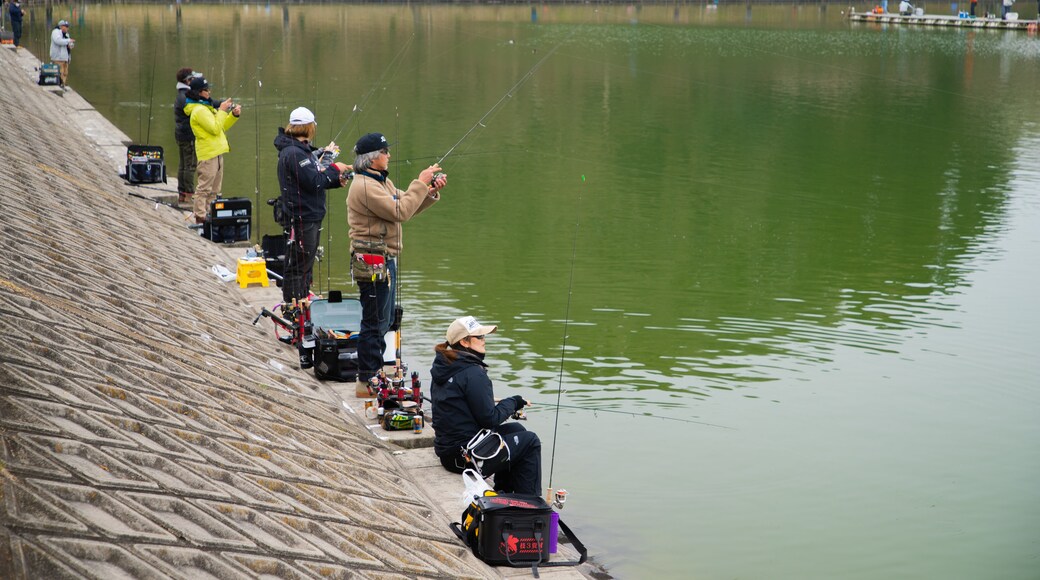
column 775, row 266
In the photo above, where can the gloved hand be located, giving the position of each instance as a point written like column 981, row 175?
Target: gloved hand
column 520, row 402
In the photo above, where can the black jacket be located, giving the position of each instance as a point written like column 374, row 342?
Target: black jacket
column 302, row 184
column 463, row 402
column 181, row 122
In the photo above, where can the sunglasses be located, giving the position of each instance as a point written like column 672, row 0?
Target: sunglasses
column 384, row 151
column 477, row 336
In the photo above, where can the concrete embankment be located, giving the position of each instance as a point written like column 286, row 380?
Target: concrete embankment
column 147, row 428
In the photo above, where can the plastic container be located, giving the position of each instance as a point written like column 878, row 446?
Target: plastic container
column 554, row 531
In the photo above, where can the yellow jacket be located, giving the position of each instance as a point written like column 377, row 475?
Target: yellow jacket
column 208, row 124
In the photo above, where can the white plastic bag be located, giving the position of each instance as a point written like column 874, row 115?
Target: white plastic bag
column 223, row 273
column 475, row 486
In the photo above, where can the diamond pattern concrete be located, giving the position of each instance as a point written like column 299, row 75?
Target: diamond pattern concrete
column 147, row 428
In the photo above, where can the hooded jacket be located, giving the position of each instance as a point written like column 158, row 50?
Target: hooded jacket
column 208, row 125
column 376, row 209
column 60, row 45
column 302, row 184
column 463, row 402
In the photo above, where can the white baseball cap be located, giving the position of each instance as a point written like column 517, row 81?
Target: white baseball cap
column 466, row 326
column 301, row 116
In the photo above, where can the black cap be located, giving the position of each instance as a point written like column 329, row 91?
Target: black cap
column 198, row 84
column 371, row 142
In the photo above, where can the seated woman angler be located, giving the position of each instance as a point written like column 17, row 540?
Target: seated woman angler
column 464, row 403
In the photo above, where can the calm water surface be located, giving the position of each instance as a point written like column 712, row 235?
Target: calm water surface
column 793, row 260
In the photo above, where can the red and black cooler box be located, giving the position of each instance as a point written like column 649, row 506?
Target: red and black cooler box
column 513, row 529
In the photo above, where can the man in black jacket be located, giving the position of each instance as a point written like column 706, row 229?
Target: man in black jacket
column 464, row 403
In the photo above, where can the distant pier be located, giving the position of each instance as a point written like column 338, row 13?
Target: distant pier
column 944, row 20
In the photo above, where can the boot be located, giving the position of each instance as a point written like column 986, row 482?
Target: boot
column 361, row 390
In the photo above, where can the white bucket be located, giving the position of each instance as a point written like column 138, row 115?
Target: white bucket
column 918, row 11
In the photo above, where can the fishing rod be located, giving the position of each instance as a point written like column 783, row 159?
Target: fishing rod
column 151, row 93
column 508, row 94
column 566, row 324
column 328, row 234
column 364, row 101
column 635, row 414
column 256, row 129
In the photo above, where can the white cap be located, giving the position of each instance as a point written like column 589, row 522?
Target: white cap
column 301, row 116
column 466, row 326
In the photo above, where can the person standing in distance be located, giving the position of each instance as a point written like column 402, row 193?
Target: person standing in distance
column 61, row 50
column 16, row 13
column 375, row 211
column 208, row 124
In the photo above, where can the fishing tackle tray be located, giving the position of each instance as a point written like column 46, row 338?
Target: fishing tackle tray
column 144, row 163
column 336, row 322
column 48, row 74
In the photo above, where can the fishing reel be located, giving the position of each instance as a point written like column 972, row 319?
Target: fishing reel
column 436, row 176
column 556, row 497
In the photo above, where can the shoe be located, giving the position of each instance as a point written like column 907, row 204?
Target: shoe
column 184, row 196
column 200, row 221
column 361, row 390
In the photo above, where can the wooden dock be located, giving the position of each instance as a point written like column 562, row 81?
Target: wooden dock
column 944, row 20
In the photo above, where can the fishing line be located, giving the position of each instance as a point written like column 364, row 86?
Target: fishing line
column 634, row 414
column 256, row 129
column 364, row 101
column 566, row 324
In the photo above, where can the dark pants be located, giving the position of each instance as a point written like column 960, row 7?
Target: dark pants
column 523, row 472
column 16, row 30
column 299, row 260
column 186, row 170
column 377, row 313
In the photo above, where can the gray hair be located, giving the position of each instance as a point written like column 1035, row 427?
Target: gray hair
column 364, row 161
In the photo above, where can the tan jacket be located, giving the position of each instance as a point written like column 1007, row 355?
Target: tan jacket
column 376, row 209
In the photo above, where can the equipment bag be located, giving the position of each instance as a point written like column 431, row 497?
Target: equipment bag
column 49, row 74
column 368, row 260
column 512, row 529
column 487, row 452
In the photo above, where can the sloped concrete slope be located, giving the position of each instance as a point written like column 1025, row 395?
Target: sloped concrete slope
column 146, row 429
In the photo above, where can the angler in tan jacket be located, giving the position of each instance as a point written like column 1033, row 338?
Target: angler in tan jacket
column 375, row 211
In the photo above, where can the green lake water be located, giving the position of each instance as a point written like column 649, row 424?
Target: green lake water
column 782, row 266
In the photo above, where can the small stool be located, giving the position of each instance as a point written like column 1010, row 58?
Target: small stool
column 252, row 271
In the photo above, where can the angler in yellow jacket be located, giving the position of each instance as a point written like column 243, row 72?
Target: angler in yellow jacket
column 209, row 124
